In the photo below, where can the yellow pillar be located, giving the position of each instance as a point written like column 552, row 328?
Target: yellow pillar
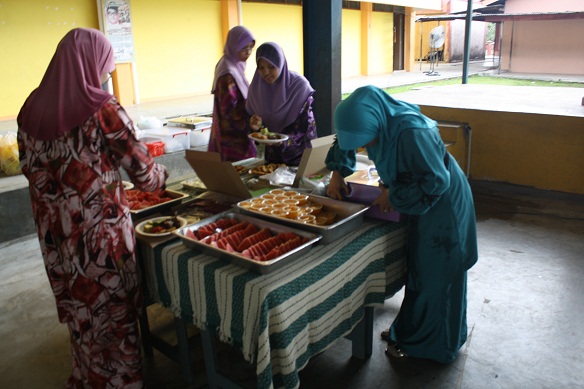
column 123, row 83
column 229, row 16
column 366, row 11
column 410, row 39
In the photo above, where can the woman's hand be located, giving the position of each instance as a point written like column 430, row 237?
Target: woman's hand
column 255, row 122
column 337, row 186
column 383, row 201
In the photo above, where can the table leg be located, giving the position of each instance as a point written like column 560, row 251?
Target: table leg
column 145, row 333
column 215, row 379
column 362, row 336
column 184, row 353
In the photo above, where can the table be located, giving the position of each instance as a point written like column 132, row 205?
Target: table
column 280, row 320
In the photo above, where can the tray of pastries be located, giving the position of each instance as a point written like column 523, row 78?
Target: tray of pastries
column 327, row 217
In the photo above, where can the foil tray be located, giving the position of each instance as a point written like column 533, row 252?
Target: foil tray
column 235, row 258
column 177, row 198
column 350, row 215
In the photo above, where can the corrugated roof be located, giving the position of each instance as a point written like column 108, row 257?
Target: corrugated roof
column 488, row 17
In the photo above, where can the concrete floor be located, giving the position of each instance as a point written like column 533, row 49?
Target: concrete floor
column 526, row 322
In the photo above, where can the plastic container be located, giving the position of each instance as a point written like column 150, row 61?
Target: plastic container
column 156, row 149
column 155, row 145
column 171, row 135
column 200, row 137
column 191, row 122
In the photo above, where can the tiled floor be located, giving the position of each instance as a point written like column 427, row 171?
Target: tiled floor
column 526, row 322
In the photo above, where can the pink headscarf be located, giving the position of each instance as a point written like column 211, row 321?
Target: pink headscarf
column 70, row 91
column 237, row 38
column 278, row 104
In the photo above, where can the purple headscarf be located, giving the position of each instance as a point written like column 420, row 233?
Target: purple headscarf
column 278, row 104
column 237, row 38
column 70, row 91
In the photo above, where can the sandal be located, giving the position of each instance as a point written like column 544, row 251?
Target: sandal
column 385, row 335
column 393, row 352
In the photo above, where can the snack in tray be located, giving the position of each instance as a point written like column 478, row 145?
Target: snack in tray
column 161, row 226
column 266, row 169
column 246, row 239
column 240, row 169
column 140, row 200
column 200, row 209
column 290, row 205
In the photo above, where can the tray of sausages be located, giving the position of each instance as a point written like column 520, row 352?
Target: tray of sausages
column 249, row 242
column 144, row 204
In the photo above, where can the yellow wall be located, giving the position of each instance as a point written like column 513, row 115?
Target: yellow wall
column 381, row 43
column 275, row 23
column 176, row 51
column 422, row 38
column 351, row 43
column 176, row 45
column 519, row 148
column 29, row 33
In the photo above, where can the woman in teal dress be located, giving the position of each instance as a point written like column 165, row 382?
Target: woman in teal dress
column 420, row 179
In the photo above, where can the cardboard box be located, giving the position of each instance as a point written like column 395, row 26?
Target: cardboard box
column 218, row 176
column 313, row 159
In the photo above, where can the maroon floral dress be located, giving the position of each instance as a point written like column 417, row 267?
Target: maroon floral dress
column 230, row 126
column 87, row 240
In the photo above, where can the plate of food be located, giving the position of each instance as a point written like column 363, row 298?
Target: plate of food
column 267, row 137
column 127, row 185
column 160, row 226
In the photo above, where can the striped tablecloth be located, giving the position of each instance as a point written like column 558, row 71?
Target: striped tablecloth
column 282, row 319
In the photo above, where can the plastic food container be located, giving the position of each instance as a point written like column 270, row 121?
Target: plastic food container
column 200, row 137
column 171, row 135
column 156, row 148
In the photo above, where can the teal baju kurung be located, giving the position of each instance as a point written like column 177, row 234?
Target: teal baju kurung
column 426, row 183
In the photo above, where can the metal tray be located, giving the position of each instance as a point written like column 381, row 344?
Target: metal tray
column 350, row 215
column 177, row 198
column 250, row 264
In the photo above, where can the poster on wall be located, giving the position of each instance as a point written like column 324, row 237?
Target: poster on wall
column 116, row 24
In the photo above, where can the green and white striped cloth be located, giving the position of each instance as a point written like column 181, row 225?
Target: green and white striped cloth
column 281, row 319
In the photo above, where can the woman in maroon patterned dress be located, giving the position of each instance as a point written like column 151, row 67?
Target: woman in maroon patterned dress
column 230, row 119
column 73, row 139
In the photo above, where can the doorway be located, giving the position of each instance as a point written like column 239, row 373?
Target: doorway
column 398, row 41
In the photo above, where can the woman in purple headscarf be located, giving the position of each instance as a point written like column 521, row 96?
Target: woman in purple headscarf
column 281, row 100
column 230, row 119
column 73, row 139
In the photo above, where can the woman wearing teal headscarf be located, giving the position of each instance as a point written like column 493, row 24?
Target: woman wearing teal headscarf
column 420, row 179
